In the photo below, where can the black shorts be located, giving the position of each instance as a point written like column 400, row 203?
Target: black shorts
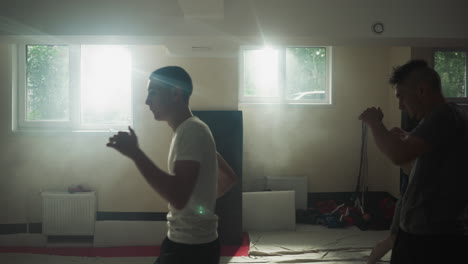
column 424, row 249
column 177, row 253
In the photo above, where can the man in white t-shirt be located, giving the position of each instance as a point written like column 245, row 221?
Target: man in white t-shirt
column 197, row 176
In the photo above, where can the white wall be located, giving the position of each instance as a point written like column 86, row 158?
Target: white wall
column 31, row 162
column 323, row 142
column 320, row 142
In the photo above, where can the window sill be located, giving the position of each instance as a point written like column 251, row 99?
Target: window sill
column 255, row 104
column 62, row 132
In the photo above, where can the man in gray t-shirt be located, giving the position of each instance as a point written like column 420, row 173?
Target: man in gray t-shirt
column 431, row 210
column 436, row 195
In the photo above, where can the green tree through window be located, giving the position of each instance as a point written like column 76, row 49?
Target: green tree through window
column 47, row 83
column 306, row 70
column 451, row 66
column 291, row 75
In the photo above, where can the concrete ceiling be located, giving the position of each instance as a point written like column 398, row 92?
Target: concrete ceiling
column 202, row 9
column 230, row 23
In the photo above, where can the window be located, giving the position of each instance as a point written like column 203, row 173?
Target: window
column 289, row 75
column 73, row 87
column 452, row 68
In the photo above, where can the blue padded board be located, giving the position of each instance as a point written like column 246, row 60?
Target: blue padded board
column 226, row 127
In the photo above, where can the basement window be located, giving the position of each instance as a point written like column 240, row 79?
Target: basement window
column 452, row 68
column 285, row 75
column 73, row 88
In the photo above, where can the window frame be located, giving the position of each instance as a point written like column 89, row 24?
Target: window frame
column 74, row 123
column 458, row 100
column 281, row 99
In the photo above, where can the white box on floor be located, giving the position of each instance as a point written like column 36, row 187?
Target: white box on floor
column 297, row 184
column 268, row 211
column 129, row 233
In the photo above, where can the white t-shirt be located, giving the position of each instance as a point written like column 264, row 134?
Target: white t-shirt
column 197, row 222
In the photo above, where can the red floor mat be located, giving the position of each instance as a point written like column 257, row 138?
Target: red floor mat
column 141, row 251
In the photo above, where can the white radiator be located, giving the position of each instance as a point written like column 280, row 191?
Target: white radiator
column 66, row 214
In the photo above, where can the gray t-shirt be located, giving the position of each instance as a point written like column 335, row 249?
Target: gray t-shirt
column 438, row 191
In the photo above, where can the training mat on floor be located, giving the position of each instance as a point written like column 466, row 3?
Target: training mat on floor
column 307, row 244
column 315, row 244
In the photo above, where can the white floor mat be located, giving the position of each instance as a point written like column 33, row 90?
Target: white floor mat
column 315, row 244
column 308, row 244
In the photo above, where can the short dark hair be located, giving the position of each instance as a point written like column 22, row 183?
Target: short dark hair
column 417, row 69
column 174, row 76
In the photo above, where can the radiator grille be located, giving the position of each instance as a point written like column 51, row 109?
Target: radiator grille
column 65, row 214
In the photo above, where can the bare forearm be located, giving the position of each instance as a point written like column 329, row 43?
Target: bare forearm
column 227, row 178
column 224, row 186
column 407, row 167
column 387, row 143
column 158, row 179
column 177, row 188
column 380, row 249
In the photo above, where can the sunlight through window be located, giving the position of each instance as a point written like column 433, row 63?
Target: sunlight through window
column 261, row 73
column 285, row 75
column 105, row 85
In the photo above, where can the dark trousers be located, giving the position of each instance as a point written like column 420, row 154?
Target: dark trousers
column 177, row 253
column 424, row 249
